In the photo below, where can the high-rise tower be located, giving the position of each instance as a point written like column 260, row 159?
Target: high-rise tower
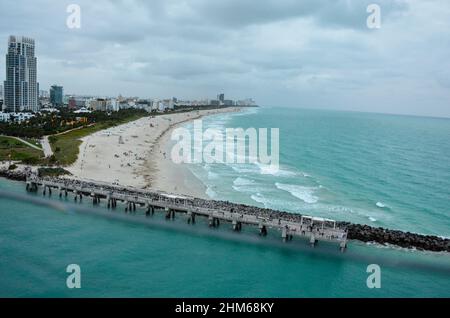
column 21, row 87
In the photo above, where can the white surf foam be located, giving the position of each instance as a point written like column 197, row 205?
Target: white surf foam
column 240, row 181
column 241, row 168
column 274, row 170
column 210, row 193
column 212, row 175
column 380, row 205
column 258, row 197
column 306, row 194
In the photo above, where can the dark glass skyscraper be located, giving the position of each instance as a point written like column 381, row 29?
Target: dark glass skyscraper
column 21, row 87
column 56, row 95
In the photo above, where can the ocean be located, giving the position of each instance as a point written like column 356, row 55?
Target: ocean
column 382, row 170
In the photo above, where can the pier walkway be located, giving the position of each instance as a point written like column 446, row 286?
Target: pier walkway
column 290, row 225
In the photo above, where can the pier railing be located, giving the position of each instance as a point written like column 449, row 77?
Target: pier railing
column 312, row 228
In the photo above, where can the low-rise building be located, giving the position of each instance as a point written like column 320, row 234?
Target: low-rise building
column 4, row 116
column 144, row 104
column 49, row 110
column 82, row 110
column 113, row 105
column 228, row 102
column 246, row 102
column 72, row 104
column 98, row 104
column 124, row 105
column 16, row 117
column 214, row 102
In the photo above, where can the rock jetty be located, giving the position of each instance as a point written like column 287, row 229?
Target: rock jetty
column 361, row 232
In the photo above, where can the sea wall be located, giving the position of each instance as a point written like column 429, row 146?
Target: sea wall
column 360, row 232
column 364, row 233
column 13, row 174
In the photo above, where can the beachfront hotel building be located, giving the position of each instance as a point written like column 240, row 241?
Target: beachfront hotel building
column 21, row 87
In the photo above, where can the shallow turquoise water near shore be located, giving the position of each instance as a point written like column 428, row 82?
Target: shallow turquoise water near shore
column 134, row 257
column 383, row 170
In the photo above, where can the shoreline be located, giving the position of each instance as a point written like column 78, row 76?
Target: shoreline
column 167, row 173
column 136, row 154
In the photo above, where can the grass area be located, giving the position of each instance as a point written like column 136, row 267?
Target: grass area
column 66, row 146
column 12, row 149
column 52, row 172
column 33, row 141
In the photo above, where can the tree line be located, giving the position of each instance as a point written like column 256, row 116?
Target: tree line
column 52, row 123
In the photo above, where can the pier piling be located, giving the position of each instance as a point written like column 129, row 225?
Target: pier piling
column 312, row 241
column 310, row 228
column 237, row 226
column 262, row 230
column 191, row 217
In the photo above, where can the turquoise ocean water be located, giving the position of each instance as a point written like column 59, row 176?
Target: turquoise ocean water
column 383, row 170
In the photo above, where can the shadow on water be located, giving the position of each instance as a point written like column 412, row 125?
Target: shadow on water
column 357, row 251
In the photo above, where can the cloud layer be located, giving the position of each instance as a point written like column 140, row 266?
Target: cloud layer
column 309, row 53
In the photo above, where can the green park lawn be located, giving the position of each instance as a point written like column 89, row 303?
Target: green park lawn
column 66, row 146
column 12, row 149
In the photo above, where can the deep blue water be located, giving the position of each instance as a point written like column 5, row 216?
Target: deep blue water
column 334, row 164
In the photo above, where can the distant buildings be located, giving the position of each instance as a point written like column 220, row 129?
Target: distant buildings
column 168, row 104
column 43, row 94
column 21, row 87
column 82, row 110
column 113, row 105
column 1, row 98
column 5, row 116
column 49, row 110
column 72, row 104
column 87, row 104
column 15, row 117
column 98, row 104
column 20, row 94
column 246, row 102
column 228, row 102
column 144, row 104
column 214, row 102
column 56, row 96
column 221, row 101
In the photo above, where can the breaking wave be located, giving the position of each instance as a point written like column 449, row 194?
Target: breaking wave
column 306, row 194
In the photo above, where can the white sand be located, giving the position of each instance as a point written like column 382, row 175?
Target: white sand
column 133, row 154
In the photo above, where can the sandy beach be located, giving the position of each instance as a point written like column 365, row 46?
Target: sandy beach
column 137, row 154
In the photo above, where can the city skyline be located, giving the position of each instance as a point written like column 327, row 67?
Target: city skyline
column 308, row 55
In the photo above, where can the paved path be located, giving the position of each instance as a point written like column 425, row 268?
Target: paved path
column 46, row 144
column 25, row 142
column 46, row 147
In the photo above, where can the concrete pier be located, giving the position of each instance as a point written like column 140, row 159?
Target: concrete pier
column 309, row 228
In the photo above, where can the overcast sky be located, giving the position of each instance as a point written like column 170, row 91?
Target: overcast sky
column 297, row 53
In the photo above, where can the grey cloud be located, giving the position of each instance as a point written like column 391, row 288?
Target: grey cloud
column 288, row 52
column 343, row 13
